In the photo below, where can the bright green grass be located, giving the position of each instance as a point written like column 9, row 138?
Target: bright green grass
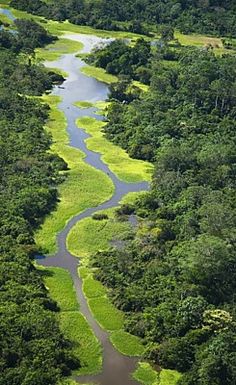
column 141, row 86
column 61, row 288
column 93, row 288
column 89, row 236
column 83, row 104
column 84, row 186
column 126, row 168
column 99, row 74
column 169, row 377
column 55, row 50
column 146, row 375
column 126, row 343
column 198, row 40
column 85, row 345
column 74, row 326
column 108, row 317
column 66, row 27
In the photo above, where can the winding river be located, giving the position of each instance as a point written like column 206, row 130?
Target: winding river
column 117, row 368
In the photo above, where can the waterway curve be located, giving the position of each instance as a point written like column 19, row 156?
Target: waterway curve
column 117, row 368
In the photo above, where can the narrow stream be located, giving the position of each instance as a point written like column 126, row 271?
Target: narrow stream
column 117, row 368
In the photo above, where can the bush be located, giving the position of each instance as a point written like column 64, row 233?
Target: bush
column 99, row 216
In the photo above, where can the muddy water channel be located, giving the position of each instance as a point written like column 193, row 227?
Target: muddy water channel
column 117, row 368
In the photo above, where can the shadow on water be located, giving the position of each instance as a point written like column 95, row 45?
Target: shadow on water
column 117, row 368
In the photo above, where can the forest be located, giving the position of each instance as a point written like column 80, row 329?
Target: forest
column 176, row 278
column 33, row 349
column 214, row 17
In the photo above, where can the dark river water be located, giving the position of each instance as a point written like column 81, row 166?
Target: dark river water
column 117, row 368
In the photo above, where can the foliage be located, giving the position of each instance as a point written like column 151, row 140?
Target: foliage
column 214, row 17
column 176, row 279
column 33, row 349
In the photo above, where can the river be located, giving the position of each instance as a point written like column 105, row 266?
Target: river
column 117, row 368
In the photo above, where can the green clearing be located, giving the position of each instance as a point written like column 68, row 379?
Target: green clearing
column 93, row 288
column 60, row 47
column 146, row 375
column 108, row 317
column 126, row 343
column 61, row 288
column 85, row 345
column 84, row 104
column 198, row 40
column 119, row 162
column 80, row 189
column 81, row 240
column 99, row 73
column 74, row 326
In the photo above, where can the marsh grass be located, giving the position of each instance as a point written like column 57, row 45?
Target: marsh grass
column 127, row 344
column 81, row 240
column 99, row 73
column 61, row 288
column 146, row 375
column 84, row 343
column 74, row 326
column 55, row 50
column 84, row 104
column 126, row 168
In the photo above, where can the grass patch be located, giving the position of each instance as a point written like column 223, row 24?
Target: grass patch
column 108, row 317
column 198, row 40
column 169, row 377
column 126, row 343
column 126, row 168
column 85, row 345
column 99, row 73
column 60, row 47
column 74, row 326
column 93, row 288
column 80, row 189
column 83, row 242
column 145, row 374
column 61, row 288
column 84, row 104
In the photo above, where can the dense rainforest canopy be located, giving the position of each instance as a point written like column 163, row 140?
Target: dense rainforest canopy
column 33, row 350
column 176, row 278
column 202, row 16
